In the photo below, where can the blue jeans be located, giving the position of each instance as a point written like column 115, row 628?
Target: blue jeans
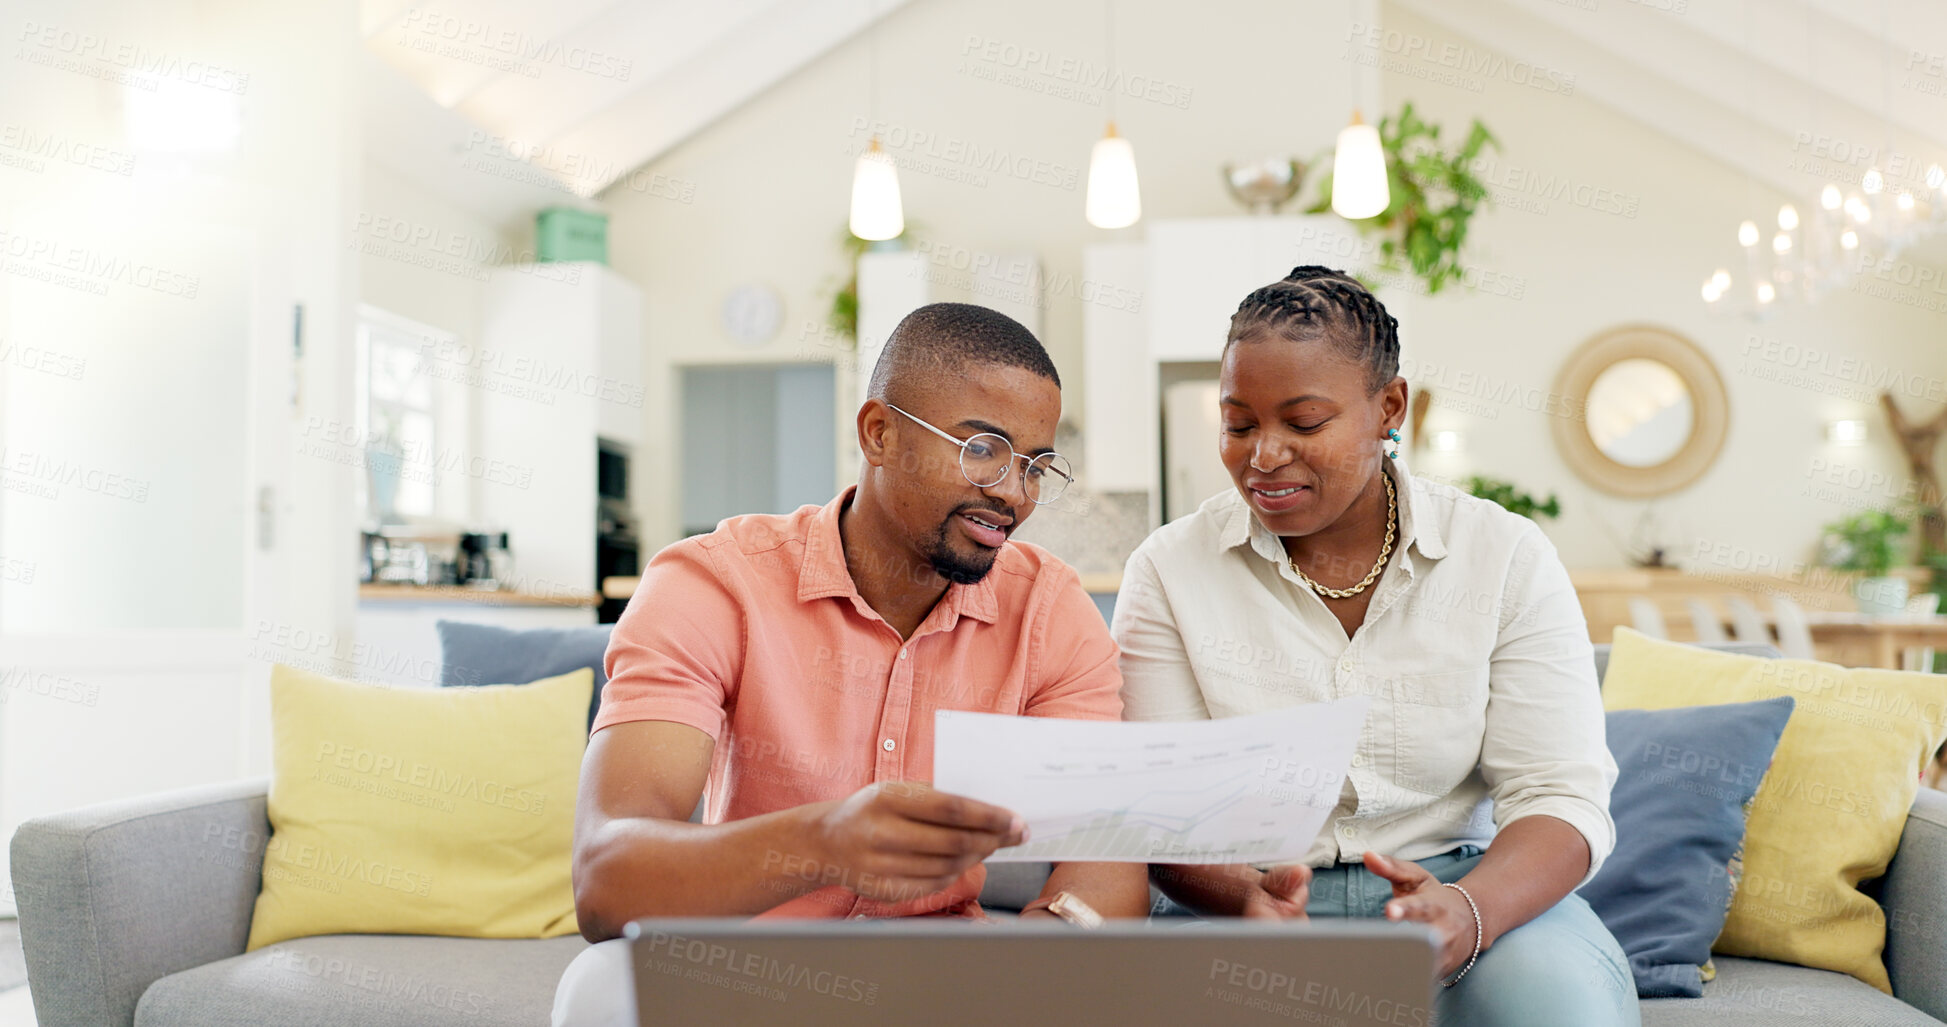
column 1562, row 967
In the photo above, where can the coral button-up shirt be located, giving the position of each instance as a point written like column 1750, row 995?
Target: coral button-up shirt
column 755, row 635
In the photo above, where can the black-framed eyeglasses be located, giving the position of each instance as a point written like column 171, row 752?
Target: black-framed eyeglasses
column 986, row 458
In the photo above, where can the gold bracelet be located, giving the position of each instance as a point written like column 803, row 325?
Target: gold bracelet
column 1477, row 935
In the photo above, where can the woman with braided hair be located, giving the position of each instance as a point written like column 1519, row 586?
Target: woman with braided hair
column 1478, row 795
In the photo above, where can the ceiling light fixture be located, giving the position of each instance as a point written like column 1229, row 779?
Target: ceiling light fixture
column 1114, row 195
column 877, row 210
column 1359, row 186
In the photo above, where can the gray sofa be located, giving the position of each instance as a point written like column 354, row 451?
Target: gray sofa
column 137, row 912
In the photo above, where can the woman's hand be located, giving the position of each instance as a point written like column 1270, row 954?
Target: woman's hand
column 1281, row 894
column 1420, row 897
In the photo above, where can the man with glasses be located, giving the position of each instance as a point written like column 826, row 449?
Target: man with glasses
column 793, row 664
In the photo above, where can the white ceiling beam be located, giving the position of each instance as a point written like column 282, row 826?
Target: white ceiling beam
column 1678, row 80
column 648, row 122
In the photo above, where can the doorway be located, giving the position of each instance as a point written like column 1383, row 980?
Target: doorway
column 756, row 438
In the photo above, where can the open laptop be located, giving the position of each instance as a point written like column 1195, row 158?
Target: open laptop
column 935, row 970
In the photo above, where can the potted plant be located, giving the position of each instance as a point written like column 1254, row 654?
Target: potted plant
column 1434, row 195
column 1866, row 542
column 1513, row 499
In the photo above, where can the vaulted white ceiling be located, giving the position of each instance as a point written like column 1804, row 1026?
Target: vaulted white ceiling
column 562, row 99
column 1763, row 85
column 569, row 96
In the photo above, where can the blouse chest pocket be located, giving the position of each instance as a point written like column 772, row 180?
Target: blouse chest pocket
column 1438, row 722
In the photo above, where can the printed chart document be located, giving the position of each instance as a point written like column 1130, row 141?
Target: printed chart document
column 1253, row 789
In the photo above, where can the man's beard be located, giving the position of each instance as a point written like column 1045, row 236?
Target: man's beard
column 961, row 570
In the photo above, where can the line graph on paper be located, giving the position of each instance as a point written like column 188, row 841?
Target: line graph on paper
column 1242, row 789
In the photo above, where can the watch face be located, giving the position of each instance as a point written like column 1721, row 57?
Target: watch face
column 751, row 314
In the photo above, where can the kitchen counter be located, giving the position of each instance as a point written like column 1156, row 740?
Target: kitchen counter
column 463, row 594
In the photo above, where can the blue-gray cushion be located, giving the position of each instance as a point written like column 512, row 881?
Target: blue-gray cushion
column 482, row 654
column 1686, row 777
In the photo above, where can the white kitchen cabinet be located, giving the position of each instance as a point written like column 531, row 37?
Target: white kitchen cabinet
column 560, row 364
column 1191, row 274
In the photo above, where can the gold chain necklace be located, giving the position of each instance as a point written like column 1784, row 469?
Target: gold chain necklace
column 1392, row 518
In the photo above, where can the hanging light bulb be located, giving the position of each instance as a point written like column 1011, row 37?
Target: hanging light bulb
column 1788, row 217
column 1781, row 243
column 1720, row 279
column 1359, row 187
column 1857, row 208
column 1711, row 292
column 1904, row 201
column 1829, row 197
column 1849, row 239
column 1747, row 234
column 1114, row 199
column 1766, row 293
column 877, row 212
column 1872, row 181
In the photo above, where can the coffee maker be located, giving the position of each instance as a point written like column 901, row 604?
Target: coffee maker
column 484, row 560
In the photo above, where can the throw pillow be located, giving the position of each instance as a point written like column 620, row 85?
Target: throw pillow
column 482, row 654
column 421, row 811
column 1686, row 776
column 1829, row 814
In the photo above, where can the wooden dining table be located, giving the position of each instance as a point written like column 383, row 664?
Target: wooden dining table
column 1873, row 640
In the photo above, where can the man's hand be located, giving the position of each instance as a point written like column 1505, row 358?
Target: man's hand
column 1420, row 897
column 1281, row 894
column 899, row 841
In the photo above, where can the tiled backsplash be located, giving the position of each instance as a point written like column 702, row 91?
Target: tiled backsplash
column 1093, row 532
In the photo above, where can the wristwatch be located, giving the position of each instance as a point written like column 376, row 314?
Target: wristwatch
column 1069, row 907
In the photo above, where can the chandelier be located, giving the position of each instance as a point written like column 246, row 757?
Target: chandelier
column 1843, row 234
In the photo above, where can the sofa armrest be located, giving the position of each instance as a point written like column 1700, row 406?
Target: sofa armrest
column 1914, row 895
column 115, row 896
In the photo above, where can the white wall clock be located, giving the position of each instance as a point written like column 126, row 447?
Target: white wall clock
column 752, row 313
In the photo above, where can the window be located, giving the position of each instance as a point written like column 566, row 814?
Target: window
column 398, row 417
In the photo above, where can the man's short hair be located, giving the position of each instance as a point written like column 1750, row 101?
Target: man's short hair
column 940, row 338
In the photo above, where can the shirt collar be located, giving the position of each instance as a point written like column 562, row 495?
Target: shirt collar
column 1415, row 529
column 823, row 575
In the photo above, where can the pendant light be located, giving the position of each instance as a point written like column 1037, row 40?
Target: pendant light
column 1114, row 197
column 877, row 213
column 1359, row 187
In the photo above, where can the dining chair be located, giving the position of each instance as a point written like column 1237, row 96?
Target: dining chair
column 1920, row 657
column 1706, row 622
column 1746, row 622
column 1794, row 631
column 1646, row 618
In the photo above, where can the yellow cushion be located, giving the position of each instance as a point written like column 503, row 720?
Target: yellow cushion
column 1829, row 812
column 421, row 810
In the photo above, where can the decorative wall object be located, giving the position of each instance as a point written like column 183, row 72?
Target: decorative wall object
column 1643, row 411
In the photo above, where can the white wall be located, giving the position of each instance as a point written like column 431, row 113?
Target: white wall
column 1233, row 79
column 1490, row 357
column 134, row 670
column 770, row 185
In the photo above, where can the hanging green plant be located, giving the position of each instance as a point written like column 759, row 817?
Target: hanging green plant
column 1434, row 196
column 843, row 318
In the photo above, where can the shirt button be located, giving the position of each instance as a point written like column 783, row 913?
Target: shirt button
column 902, row 654
column 1346, row 664
column 1346, row 830
column 1358, row 759
column 888, row 745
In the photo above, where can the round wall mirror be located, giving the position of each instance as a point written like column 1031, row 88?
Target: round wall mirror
column 1647, row 411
